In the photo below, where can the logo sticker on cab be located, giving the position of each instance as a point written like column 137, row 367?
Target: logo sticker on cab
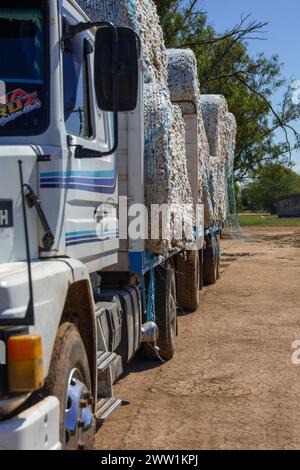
column 16, row 104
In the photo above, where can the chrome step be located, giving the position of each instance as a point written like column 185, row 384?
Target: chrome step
column 104, row 360
column 107, row 408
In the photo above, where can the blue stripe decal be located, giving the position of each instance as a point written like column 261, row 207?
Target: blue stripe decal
column 91, row 181
column 83, row 174
column 80, row 238
column 75, row 234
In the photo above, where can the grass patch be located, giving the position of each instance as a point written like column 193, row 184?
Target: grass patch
column 265, row 220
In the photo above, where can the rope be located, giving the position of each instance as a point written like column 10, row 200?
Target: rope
column 151, row 297
column 232, row 212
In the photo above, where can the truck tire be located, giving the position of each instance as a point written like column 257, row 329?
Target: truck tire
column 166, row 314
column 187, row 281
column 211, row 262
column 70, row 381
column 201, row 284
column 219, row 257
column 166, row 310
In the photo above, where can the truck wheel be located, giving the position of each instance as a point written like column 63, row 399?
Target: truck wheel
column 218, row 257
column 70, row 381
column 187, row 281
column 166, row 310
column 201, row 284
column 211, row 262
column 166, row 314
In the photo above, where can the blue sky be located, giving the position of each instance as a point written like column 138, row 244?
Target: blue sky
column 282, row 33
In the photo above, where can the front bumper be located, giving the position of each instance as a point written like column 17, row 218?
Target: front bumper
column 36, row 428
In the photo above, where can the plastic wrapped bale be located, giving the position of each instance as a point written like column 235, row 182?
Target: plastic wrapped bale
column 152, row 37
column 165, row 163
column 215, row 112
column 222, row 170
column 120, row 12
column 185, row 90
column 207, row 198
column 231, row 143
column 203, row 169
column 232, row 215
column 218, row 190
column 141, row 15
column 182, row 75
column 166, row 179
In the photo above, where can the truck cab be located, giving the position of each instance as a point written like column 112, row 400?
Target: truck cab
column 48, row 113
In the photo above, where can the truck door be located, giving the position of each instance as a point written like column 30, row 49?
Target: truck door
column 91, row 228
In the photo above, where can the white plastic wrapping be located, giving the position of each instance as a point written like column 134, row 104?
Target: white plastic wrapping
column 231, row 143
column 166, row 176
column 215, row 115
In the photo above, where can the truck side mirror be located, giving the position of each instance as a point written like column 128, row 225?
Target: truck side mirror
column 116, row 68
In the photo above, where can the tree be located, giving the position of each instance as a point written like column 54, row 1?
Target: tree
column 248, row 83
column 270, row 183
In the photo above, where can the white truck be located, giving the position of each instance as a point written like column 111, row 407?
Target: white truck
column 76, row 302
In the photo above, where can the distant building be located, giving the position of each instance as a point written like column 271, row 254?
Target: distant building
column 289, row 206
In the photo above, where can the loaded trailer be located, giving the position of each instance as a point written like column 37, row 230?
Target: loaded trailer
column 81, row 291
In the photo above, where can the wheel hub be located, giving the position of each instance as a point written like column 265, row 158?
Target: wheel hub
column 79, row 419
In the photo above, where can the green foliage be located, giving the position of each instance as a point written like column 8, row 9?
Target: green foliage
column 270, row 183
column 265, row 220
column 248, row 83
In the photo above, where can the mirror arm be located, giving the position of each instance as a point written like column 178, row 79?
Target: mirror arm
column 83, row 152
column 73, row 29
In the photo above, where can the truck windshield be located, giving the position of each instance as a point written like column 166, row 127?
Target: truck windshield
column 23, row 67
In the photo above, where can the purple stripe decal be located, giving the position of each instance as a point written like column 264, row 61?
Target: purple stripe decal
column 87, row 237
column 83, row 242
column 81, row 187
column 83, row 237
column 92, row 181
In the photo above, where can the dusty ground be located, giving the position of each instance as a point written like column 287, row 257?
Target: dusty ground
column 232, row 384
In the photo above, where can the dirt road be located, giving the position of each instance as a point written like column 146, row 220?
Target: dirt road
column 232, row 384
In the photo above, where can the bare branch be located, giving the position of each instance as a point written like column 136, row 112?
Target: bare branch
column 238, row 30
column 281, row 124
column 279, row 121
column 238, row 34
